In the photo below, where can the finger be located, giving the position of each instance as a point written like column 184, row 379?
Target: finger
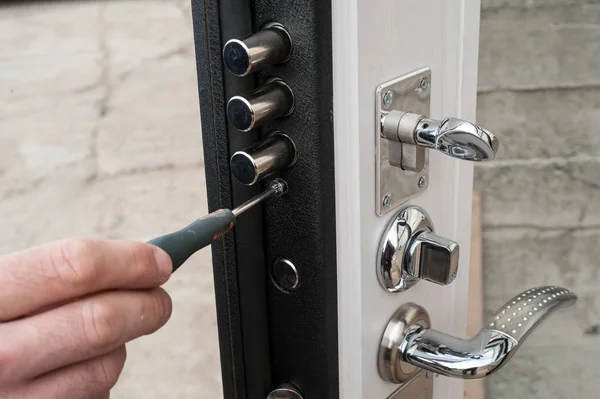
column 78, row 331
column 92, row 378
column 63, row 270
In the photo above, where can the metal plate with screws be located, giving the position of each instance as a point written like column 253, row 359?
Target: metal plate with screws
column 395, row 186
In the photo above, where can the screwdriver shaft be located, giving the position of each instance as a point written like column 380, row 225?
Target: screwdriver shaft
column 182, row 244
column 277, row 188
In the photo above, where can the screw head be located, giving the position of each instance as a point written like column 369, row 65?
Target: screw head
column 422, row 183
column 429, row 374
column 387, row 200
column 388, row 97
column 285, row 275
column 424, row 84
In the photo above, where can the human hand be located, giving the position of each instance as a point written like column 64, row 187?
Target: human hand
column 67, row 309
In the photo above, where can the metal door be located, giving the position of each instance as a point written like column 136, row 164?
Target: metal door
column 351, row 285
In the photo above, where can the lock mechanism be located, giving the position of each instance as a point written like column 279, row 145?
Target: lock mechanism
column 271, row 101
column 404, row 132
column 271, row 155
column 269, row 46
column 410, row 251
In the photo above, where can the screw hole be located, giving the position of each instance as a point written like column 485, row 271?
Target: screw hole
column 425, row 125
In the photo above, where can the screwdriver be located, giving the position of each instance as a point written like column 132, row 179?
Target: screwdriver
column 182, row 244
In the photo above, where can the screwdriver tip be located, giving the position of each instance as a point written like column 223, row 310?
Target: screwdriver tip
column 277, row 188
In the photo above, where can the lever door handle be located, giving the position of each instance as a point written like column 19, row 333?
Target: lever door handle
column 409, row 344
column 454, row 137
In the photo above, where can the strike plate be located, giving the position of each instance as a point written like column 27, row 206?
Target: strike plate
column 420, row 387
column 395, row 186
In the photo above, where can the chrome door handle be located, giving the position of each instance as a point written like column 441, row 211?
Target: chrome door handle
column 409, row 344
column 455, row 137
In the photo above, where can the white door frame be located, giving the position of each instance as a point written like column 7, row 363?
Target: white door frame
column 375, row 41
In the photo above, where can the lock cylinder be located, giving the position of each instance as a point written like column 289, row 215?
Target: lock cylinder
column 271, row 45
column 275, row 153
column 273, row 100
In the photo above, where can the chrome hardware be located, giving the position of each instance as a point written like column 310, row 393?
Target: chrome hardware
column 394, row 181
column 432, row 258
column 285, row 275
column 410, row 251
column 285, row 391
column 274, row 153
column 273, row 100
column 411, row 157
column 455, row 137
column 271, row 45
column 390, row 365
column 408, row 340
column 404, row 132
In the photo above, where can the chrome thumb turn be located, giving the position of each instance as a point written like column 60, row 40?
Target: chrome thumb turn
column 455, row 137
column 410, row 251
column 409, row 344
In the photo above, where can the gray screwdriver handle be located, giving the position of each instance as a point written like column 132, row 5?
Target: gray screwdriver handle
column 182, row 244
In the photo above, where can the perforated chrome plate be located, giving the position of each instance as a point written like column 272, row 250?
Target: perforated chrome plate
column 517, row 317
column 408, row 93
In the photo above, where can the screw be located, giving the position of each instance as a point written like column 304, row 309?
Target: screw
column 387, row 200
column 387, row 99
column 424, row 84
column 429, row 373
column 422, row 182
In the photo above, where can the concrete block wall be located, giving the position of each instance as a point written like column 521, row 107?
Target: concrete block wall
column 539, row 90
column 100, row 136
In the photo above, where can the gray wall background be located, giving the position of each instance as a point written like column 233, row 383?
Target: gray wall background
column 100, row 136
column 539, row 90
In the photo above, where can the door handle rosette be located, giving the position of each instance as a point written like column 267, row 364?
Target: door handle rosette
column 410, row 251
column 409, row 344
